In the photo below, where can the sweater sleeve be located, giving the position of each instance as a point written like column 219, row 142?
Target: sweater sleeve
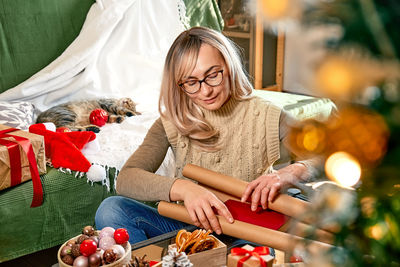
column 313, row 165
column 137, row 178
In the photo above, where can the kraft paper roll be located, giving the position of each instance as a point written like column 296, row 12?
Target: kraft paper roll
column 264, row 236
column 293, row 207
column 294, row 227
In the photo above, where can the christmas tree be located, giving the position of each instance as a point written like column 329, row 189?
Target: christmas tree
column 361, row 73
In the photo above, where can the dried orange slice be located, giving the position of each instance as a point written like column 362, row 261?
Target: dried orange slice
column 196, row 241
column 195, row 234
column 188, row 246
column 180, row 248
column 181, row 237
column 205, row 233
column 203, row 244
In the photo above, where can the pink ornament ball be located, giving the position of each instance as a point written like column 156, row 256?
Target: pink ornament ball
column 106, row 242
column 98, row 117
column 81, row 261
column 106, row 231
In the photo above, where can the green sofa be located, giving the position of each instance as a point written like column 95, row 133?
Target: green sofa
column 32, row 34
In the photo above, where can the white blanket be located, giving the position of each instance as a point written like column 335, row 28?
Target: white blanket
column 119, row 52
column 117, row 142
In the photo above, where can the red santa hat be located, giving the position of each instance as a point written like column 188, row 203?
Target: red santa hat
column 64, row 148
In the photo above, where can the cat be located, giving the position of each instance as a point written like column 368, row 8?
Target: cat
column 74, row 115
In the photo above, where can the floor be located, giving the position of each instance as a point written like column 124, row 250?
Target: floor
column 48, row 258
column 44, row 258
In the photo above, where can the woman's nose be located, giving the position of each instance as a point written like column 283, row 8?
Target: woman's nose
column 205, row 89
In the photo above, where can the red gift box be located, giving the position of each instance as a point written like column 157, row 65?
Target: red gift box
column 248, row 256
column 22, row 158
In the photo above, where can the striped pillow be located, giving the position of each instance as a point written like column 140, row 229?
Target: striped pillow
column 17, row 114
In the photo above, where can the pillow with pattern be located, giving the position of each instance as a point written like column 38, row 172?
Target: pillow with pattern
column 17, row 114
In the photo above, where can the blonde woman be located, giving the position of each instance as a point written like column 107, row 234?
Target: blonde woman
column 210, row 119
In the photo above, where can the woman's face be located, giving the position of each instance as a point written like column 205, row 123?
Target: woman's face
column 210, row 66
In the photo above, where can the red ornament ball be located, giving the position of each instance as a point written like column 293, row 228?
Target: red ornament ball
column 88, row 247
column 98, row 117
column 63, row 130
column 121, row 235
column 295, row 258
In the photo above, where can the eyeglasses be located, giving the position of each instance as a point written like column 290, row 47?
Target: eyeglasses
column 193, row 86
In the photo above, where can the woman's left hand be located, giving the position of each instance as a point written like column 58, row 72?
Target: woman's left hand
column 267, row 187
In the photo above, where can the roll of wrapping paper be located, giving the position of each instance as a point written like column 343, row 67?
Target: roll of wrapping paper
column 295, row 227
column 293, row 207
column 260, row 235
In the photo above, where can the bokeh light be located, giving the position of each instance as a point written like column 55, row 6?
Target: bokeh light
column 359, row 132
column 337, row 78
column 308, row 139
column 346, row 74
column 274, row 9
column 343, row 168
column 277, row 14
column 368, row 206
column 355, row 130
column 377, row 231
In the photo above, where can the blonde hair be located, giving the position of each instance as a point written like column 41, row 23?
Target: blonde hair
column 181, row 59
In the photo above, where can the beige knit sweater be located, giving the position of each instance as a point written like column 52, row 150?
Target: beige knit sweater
column 251, row 132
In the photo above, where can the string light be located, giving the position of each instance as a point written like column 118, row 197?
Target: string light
column 343, row 168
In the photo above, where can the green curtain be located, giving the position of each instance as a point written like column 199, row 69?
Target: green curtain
column 33, row 33
column 204, row 13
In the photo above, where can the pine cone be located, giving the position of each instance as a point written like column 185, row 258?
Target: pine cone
column 139, row 262
column 176, row 259
column 183, row 261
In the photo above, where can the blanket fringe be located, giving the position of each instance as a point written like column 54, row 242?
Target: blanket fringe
column 96, row 173
column 182, row 14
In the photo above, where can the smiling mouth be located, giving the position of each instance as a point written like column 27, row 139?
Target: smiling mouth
column 210, row 99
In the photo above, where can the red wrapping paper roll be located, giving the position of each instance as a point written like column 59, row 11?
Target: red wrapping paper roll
column 293, row 207
column 294, row 227
column 246, row 231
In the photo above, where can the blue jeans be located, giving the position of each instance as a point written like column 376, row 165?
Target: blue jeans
column 141, row 221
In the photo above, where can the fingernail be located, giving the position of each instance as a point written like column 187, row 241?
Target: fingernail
column 218, row 232
column 231, row 220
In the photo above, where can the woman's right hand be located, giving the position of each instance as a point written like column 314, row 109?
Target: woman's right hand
column 199, row 203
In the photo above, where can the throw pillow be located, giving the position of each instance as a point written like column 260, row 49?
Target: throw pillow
column 17, row 114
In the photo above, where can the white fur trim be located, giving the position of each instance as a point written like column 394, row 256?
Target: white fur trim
column 96, row 173
column 91, row 147
column 50, row 126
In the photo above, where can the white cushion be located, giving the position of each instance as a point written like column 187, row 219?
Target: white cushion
column 301, row 107
column 17, row 114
